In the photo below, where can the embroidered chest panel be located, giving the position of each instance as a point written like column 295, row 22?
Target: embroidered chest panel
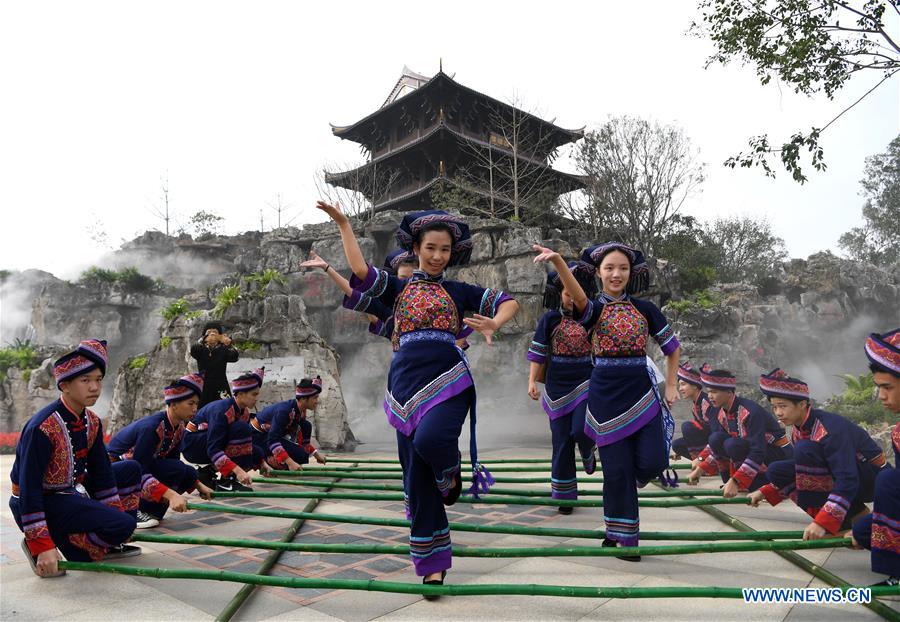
column 620, row 331
column 424, row 305
column 895, row 437
column 293, row 423
column 570, row 338
column 70, row 443
column 235, row 414
column 816, row 434
column 701, row 411
column 732, row 423
column 167, row 439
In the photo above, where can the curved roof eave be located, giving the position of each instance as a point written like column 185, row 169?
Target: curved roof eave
column 338, row 130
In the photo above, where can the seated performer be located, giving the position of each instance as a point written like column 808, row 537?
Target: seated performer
column 561, row 352
column 282, row 431
column 694, row 433
column 832, row 474
column 744, row 438
column 220, row 433
column 880, row 530
column 66, row 496
column 155, row 443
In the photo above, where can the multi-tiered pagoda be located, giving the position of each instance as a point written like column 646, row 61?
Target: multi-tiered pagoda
column 434, row 130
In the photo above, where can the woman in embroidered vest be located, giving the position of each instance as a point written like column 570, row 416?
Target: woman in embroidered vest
column 561, row 349
column 430, row 389
column 626, row 416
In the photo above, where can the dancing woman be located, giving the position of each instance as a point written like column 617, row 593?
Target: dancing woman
column 430, row 389
column 626, row 416
column 561, row 351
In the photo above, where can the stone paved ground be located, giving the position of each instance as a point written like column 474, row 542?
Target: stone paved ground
column 82, row 596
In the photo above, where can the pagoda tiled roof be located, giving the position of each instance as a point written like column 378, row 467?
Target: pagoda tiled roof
column 352, row 131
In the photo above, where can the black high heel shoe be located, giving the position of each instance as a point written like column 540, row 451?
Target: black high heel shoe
column 453, row 493
column 627, row 558
column 434, row 582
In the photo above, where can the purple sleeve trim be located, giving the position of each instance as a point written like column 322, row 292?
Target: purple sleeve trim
column 536, row 358
column 670, row 346
column 356, row 301
column 373, row 285
column 491, row 301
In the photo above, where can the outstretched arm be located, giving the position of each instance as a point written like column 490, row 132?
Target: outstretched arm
column 315, row 261
column 546, row 255
column 348, row 239
column 487, row 326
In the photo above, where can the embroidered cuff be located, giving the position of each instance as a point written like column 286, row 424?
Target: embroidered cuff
column 746, row 473
column 708, row 462
column 223, row 463
column 40, row 544
column 37, row 535
column 373, row 285
column 491, row 301
column 279, row 455
column 537, row 353
column 356, row 301
column 666, row 339
column 831, row 516
column 770, row 492
column 152, row 489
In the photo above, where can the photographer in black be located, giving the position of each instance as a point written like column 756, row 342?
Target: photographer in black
column 213, row 352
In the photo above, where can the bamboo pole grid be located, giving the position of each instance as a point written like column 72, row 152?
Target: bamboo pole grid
column 783, row 543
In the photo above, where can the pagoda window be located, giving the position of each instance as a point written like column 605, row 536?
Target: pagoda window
column 499, row 141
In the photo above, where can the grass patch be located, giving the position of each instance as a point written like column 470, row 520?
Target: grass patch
column 703, row 299
column 129, row 280
column 19, row 355
column 859, row 402
column 262, row 279
column 248, row 345
column 178, row 308
column 138, row 362
column 229, row 295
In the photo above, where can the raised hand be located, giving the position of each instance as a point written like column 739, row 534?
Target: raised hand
column 484, row 325
column 544, row 254
column 314, row 261
column 333, row 211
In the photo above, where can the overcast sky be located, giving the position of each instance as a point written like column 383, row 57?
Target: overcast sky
column 233, row 102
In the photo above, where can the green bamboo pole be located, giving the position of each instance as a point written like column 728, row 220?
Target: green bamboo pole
column 487, row 499
column 494, row 491
column 817, row 571
column 399, row 476
column 245, row 592
column 492, row 469
column 417, row 588
column 527, row 551
column 502, row 468
column 521, row 530
column 395, row 462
